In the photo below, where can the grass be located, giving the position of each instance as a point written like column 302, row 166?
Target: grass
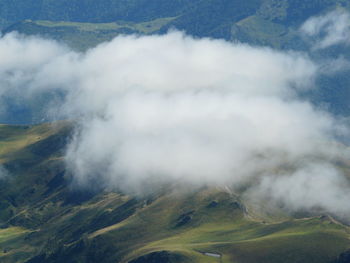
column 82, row 36
column 43, row 215
column 10, row 233
column 143, row 27
column 259, row 31
column 18, row 137
column 230, row 234
column 242, row 236
column 12, row 244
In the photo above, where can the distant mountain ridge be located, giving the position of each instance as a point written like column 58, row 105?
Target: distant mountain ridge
column 198, row 17
column 83, row 24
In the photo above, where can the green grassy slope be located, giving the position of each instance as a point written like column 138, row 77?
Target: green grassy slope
column 44, row 219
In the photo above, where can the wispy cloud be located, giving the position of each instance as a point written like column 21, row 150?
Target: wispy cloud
column 327, row 30
column 3, row 172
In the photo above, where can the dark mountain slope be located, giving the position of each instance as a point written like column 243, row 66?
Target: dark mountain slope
column 53, row 221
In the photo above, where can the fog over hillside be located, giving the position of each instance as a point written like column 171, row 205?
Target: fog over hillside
column 165, row 108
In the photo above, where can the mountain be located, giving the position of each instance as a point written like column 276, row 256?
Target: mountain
column 46, row 216
column 259, row 22
column 53, row 221
column 83, row 24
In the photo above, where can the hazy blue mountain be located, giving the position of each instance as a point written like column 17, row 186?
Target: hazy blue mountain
column 201, row 18
column 84, row 23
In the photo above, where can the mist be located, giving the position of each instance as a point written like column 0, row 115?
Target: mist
column 3, row 173
column 173, row 108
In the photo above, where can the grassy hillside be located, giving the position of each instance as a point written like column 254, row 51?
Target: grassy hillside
column 44, row 218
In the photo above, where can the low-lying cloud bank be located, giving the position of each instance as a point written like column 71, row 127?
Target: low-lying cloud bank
column 199, row 111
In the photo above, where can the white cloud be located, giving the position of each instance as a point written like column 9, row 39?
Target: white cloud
column 317, row 186
column 328, row 30
column 174, row 108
